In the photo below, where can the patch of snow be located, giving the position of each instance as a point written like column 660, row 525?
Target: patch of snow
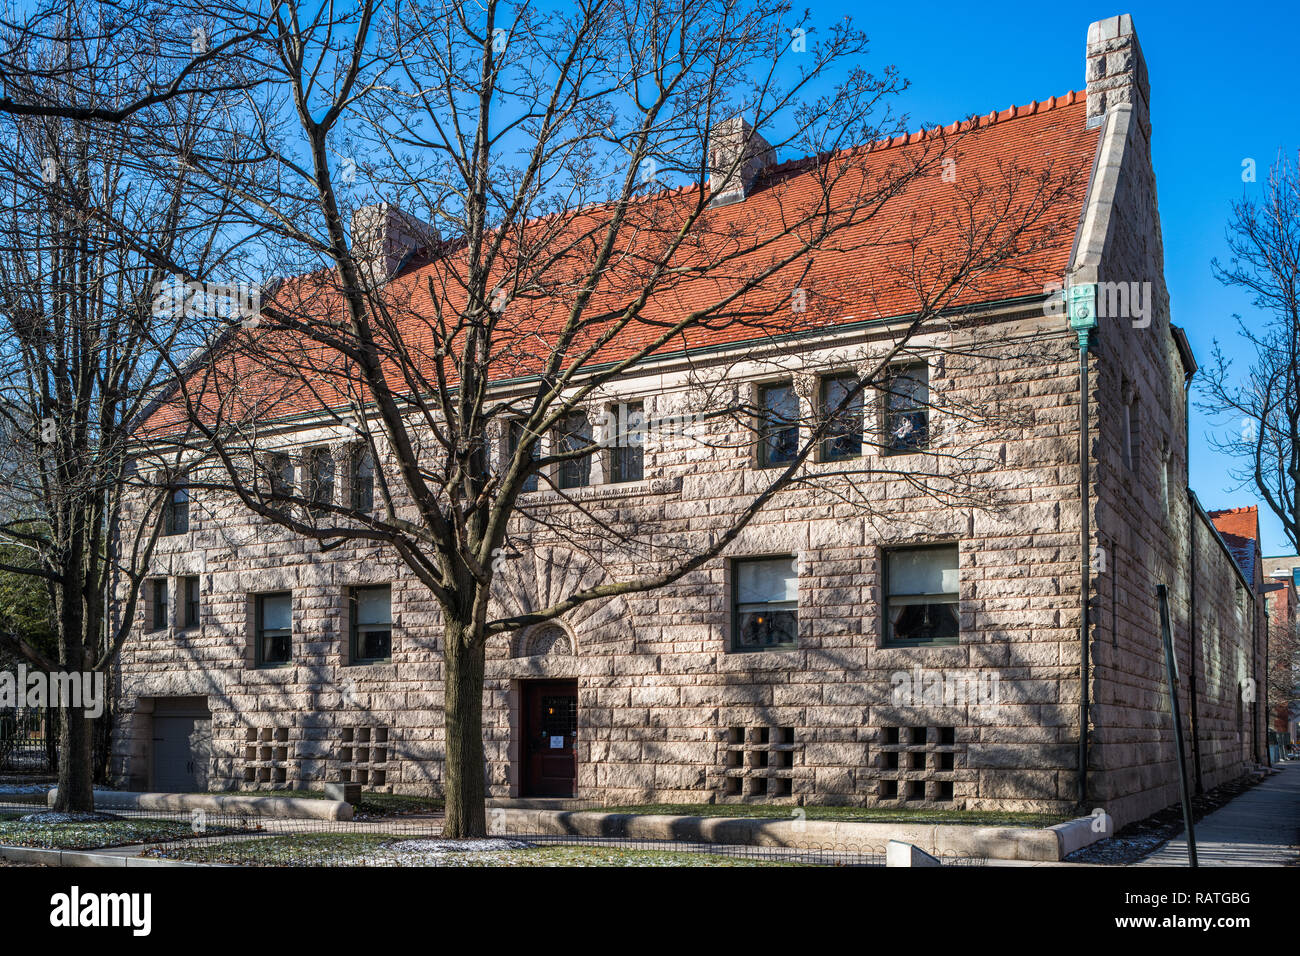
column 456, row 846
column 52, row 817
column 26, row 787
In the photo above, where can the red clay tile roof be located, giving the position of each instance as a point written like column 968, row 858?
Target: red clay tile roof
column 1239, row 528
column 858, row 274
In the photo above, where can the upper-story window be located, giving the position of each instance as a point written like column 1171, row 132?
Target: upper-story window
column 627, row 456
column 765, row 603
column 158, row 605
column 279, row 479
column 516, row 436
column 1132, row 431
column 176, row 510
column 274, row 628
column 372, row 624
column 320, row 478
column 907, row 408
column 778, row 427
column 921, row 595
column 843, row 416
column 1166, row 463
column 191, row 585
column 363, row 481
column 574, row 435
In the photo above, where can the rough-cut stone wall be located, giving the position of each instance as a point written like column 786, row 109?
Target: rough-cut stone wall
column 1141, row 514
column 667, row 711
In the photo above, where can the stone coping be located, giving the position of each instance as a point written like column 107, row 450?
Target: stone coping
column 300, row 808
column 1041, row 844
column 43, row 856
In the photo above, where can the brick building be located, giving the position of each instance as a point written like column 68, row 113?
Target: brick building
column 800, row 666
column 1282, row 576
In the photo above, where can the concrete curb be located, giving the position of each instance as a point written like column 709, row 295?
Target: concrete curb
column 291, row 808
column 1077, row 833
column 1046, row 844
column 85, row 858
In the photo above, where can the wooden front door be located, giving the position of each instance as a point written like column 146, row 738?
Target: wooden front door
column 550, row 710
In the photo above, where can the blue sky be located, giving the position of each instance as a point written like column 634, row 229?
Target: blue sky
column 1223, row 88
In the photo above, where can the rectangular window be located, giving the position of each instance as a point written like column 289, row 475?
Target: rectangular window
column 778, row 438
column 627, row 460
column 843, row 418
column 765, row 603
column 1166, row 464
column 158, row 611
column 320, row 480
column 274, row 628
column 516, row 436
column 921, row 595
column 363, row 481
column 176, row 510
column 191, row 601
column 1132, row 432
column 907, row 408
column 279, row 476
column 372, row 624
column 575, row 435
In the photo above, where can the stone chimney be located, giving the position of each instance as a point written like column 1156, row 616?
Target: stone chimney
column 383, row 236
column 1116, row 72
column 736, row 155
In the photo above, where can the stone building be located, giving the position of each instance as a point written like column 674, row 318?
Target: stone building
column 918, row 652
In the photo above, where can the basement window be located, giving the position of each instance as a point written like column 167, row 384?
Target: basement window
column 921, row 588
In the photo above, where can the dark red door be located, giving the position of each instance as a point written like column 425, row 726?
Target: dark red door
column 550, row 738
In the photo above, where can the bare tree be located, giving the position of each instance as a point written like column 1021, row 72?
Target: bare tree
column 572, row 168
column 1284, row 666
column 1262, row 407
column 137, row 41
column 83, row 348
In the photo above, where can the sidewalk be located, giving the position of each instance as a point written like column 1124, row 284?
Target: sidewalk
column 1259, row 828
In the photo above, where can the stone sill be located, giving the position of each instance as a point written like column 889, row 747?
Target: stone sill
column 629, row 489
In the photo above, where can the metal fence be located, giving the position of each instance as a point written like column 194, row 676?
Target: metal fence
column 245, row 840
column 28, row 743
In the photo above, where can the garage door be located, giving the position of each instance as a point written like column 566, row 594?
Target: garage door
column 182, row 745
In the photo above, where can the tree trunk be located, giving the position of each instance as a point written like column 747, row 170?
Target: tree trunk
column 75, row 772
column 102, row 740
column 76, row 733
column 465, row 767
